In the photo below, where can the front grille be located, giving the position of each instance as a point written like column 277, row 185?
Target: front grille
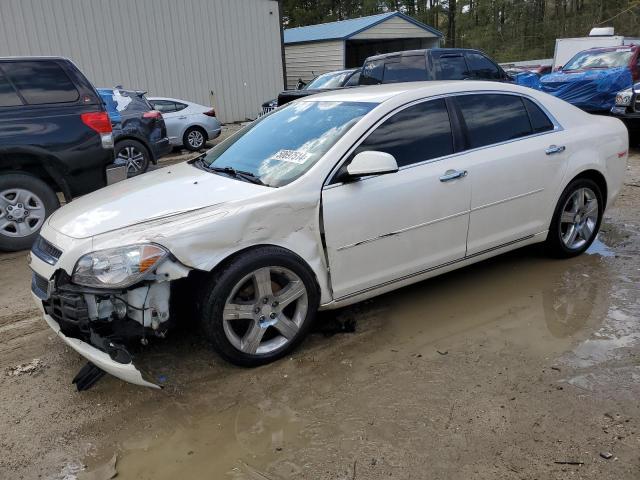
column 40, row 286
column 46, row 251
column 68, row 308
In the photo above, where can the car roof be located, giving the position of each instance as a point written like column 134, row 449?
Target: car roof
column 382, row 93
column 423, row 51
column 610, row 49
column 169, row 99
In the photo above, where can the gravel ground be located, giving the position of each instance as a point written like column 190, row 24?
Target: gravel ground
column 519, row 367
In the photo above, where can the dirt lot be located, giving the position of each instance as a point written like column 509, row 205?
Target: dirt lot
column 519, row 367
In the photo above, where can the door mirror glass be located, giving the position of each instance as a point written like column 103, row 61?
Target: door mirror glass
column 371, row 163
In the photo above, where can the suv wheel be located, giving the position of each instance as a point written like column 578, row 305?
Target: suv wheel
column 194, row 138
column 134, row 155
column 25, row 203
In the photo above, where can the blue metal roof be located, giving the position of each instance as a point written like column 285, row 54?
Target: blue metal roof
column 344, row 29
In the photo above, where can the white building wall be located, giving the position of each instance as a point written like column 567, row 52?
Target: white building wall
column 183, row 49
column 318, row 57
column 394, row 27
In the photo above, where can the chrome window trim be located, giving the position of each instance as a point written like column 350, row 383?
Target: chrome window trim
column 557, row 127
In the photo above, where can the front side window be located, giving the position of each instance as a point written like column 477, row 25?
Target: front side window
column 482, row 67
column 493, row 118
column 607, row 59
column 282, row 146
column 354, row 80
column 453, row 68
column 8, row 96
column 41, row 82
column 417, row 133
column 412, row 68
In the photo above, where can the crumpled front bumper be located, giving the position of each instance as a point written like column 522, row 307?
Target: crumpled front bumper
column 127, row 372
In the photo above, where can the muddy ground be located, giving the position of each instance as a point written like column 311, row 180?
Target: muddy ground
column 520, row 367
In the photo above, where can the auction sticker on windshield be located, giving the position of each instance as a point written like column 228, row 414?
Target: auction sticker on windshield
column 293, row 156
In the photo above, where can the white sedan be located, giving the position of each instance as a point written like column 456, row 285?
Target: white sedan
column 189, row 124
column 328, row 201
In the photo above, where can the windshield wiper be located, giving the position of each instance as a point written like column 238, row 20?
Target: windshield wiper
column 241, row 174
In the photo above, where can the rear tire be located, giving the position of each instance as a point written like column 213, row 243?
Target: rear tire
column 25, row 203
column 194, row 138
column 576, row 219
column 134, row 155
column 259, row 307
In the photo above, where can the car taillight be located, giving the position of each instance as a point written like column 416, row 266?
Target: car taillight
column 101, row 123
column 98, row 121
column 152, row 114
column 210, row 113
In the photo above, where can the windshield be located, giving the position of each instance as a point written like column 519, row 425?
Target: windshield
column 328, row 80
column 282, row 146
column 607, row 59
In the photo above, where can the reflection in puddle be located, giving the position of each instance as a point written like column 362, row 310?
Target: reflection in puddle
column 238, row 442
column 599, row 248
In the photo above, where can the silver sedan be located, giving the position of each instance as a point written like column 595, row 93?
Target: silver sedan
column 189, row 124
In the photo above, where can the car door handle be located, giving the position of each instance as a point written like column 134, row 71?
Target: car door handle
column 182, row 117
column 551, row 149
column 452, row 175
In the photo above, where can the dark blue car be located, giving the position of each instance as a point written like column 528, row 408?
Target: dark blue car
column 139, row 132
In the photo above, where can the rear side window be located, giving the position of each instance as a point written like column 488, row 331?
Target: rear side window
column 180, row 106
column 482, row 67
column 164, row 106
column 539, row 120
column 411, row 68
column 372, row 73
column 41, row 82
column 493, row 118
column 417, row 133
column 453, row 68
column 8, row 96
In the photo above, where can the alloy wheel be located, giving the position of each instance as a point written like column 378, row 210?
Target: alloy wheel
column 265, row 310
column 133, row 159
column 579, row 218
column 195, row 139
column 22, row 212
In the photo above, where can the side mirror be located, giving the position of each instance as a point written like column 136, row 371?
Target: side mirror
column 371, row 163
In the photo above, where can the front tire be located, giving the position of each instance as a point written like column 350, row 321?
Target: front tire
column 25, row 203
column 576, row 220
column 259, row 307
column 194, row 138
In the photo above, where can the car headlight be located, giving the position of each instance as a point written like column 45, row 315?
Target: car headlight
column 623, row 98
column 117, row 267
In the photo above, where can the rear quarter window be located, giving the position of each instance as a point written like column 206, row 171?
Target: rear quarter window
column 539, row 120
column 41, row 82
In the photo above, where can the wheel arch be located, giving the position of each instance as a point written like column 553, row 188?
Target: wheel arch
column 597, row 177
column 195, row 126
column 231, row 256
column 40, row 166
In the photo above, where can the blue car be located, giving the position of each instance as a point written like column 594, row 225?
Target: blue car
column 139, row 132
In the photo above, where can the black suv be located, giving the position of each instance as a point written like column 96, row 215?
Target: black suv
column 431, row 64
column 139, row 131
column 55, row 136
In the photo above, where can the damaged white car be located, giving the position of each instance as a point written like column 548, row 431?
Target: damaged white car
column 325, row 202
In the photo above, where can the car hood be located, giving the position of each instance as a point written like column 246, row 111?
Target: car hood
column 162, row 193
column 588, row 89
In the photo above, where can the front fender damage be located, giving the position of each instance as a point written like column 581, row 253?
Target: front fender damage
column 107, row 327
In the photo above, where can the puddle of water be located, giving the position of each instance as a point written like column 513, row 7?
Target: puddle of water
column 239, row 442
column 599, row 248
